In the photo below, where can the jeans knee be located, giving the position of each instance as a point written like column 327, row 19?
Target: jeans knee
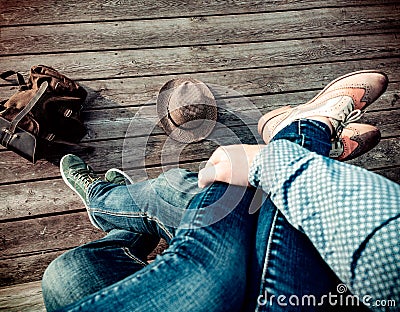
column 60, row 282
column 54, row 281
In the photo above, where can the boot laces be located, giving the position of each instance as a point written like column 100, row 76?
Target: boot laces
column 83, row 177
column 351, row 117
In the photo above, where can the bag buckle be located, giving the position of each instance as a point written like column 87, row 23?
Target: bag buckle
column 50, row 137
column 68, row 112
column 8, row 135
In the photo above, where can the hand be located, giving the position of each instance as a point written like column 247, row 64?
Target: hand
column 229, row 164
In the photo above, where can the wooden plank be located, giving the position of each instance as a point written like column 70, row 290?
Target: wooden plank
column 28, row 296
column 14, row 168
column 24, row 269
column 113, row 93
column 390, row 173
column 145, row 62
column 40, row 198
column 385, row 154
column 55, row 233
column 53, row 11
column 199, row 31
column 36, row 198
column 25, row 297
column 114, row 126
column 115, row 123
column 386, row 121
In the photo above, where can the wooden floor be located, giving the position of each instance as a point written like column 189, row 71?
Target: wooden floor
column 274, row 53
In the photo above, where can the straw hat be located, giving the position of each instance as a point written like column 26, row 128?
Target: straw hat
column 187, row 110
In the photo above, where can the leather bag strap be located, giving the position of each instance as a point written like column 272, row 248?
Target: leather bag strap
column 28, row 108
column 21, row 80
column 14, row 123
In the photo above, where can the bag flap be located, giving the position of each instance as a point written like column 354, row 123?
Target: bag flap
column 21, row 142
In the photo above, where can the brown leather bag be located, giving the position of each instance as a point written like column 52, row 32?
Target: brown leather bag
column 45, row 110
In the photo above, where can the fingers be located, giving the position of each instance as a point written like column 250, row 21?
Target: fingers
column 207, row 176
column 215, row 157
column 214, row 169
column 220, row 165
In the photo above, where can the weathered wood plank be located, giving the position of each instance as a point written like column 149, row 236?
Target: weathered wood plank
column 40, row 198
column 199, row 31
column 36, row 198
column 390, row 173
column 53, row 11
column 22, row 269
column 114, row 123
column 14, row 168
column 25, row 297
column 28, row 296
column 117, row 125
column 387, row 122
column 40, row 235
column 145, row 62
column 138, row 91
column 385, row 154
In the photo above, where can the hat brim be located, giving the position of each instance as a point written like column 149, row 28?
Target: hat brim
column 192, row 131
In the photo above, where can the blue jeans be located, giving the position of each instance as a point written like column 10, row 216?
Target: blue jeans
column 204, row 268
column 220, row 259
column 284, row 262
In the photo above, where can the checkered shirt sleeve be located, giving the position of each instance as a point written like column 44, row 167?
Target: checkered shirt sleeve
column 351, row 215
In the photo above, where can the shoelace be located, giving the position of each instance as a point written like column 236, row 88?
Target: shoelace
column 82, row 177
column 352, row 117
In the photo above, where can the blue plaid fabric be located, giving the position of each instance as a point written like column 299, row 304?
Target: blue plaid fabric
column 351, row 215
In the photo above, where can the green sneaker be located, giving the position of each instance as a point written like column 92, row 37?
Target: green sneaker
column 117, row 176
column 77, row 175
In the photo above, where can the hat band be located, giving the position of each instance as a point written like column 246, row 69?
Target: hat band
column 184, row 126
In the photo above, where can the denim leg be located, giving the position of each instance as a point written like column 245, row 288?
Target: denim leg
column 151, row 207
column 89, row 268
column 291, row 268
column 285, row 261
column 351, row 215
column 310, row 134
column 204, row 269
